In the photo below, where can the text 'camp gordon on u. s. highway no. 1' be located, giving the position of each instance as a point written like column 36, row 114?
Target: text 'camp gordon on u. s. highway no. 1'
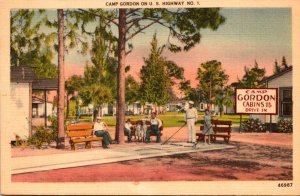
column 256, row 101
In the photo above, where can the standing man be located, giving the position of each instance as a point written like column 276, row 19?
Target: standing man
column 191, row 116
column 154, row 128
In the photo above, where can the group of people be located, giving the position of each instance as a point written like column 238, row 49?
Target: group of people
column 142, row 133
column 139, row 132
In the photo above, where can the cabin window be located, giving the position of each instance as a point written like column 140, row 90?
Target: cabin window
column 286, row 102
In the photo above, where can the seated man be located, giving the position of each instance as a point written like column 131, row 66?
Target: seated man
column 100, row 131
column 127, row 129
column 155, row 124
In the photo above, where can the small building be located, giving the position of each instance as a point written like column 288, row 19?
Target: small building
column 38, row 107
column 175, row 106
column 23, row 83
column 20, row 95
column 283, row 82
column 134, row 108
column 45, row 85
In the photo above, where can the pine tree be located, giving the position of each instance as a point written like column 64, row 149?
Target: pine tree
column 157, row 76
column 276, row 68
column 284, row 63
column 211, row 76
column 252, row 77
column 26, row 38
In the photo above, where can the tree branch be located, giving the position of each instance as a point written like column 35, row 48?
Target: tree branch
column 132, row 11
column 101, row 16
column 141, row 29
column 134, row 21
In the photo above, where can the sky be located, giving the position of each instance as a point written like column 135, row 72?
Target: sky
column 248, row 34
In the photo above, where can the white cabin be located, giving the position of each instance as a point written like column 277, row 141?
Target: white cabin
column 283, row 82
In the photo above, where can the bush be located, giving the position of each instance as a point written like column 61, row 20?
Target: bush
column 253, row 125
column 41, row 136
column 285, row 126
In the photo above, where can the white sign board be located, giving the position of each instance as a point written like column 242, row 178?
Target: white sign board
column 256, row 101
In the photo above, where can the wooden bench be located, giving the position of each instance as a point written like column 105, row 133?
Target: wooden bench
column 221, row 128
column 134, row 123
column 81, row 133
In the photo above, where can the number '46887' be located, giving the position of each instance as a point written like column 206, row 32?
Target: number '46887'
column 285, row 184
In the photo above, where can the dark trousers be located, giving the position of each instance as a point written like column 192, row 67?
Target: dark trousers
column 153, row 129
column 106, row 137
column 128, row 132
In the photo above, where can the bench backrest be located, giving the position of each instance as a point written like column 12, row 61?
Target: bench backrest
column 80, row 130
column 219, row 126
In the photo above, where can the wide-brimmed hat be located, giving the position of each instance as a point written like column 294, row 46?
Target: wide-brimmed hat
column 191, row 102
column 99, row 118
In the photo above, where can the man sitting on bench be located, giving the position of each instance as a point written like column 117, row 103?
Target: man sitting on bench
column 155, row 123
column 100, row 131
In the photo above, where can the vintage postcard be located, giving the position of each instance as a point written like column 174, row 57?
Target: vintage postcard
column 149, row 97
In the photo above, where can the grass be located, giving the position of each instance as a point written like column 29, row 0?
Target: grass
column 233, row 117
column 170, row 119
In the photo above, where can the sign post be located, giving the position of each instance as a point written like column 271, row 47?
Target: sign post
column 256, row 101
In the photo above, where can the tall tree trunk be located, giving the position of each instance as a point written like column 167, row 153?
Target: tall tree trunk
column 121, row 77
column 61, row 79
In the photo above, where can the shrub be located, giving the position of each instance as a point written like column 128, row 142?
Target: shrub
column 253, row 125
column 54, row 126
column 285, row 126
column 41, row 136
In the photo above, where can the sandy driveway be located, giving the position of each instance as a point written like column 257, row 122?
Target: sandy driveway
column 261, row 156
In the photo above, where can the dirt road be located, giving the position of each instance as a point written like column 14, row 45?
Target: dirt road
column 256, row 157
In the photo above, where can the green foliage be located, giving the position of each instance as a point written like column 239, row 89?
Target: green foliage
column 211, row 75
column 101, row 95
column 192, row 94
column 253, row 125
column 72, row 106
column 284, row 63
column 41, row 136
column 157, row 76
column 277, row 68
column 285, row 125
column 100, row 79
column 252, row 77
column 184, row 24
column 132, row 90
column 224, row 97
column 73, row 84
column 28, row 45
column 54, row 125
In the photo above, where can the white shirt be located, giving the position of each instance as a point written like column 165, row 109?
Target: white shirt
column 99, row 126
column 128, row 126
column 191, row 113
column 156, row 121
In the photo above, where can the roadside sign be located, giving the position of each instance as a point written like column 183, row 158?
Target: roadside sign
column 256, row 101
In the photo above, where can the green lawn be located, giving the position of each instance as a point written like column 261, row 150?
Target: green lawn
column 170, row 119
